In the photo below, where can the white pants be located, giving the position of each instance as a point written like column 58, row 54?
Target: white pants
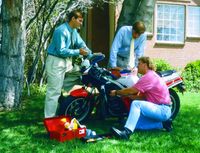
column 72, row 78
column 55, row 68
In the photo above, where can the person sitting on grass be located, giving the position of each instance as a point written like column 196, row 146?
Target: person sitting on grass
column 153, row 112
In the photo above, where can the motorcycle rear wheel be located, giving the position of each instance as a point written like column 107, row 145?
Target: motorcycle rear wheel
column 175, row 106
column 76, row 107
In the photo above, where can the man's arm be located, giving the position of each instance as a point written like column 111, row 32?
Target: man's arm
column 139, row 51
column 62, row 46
column 117, row 42
column 80, row 44
column 124, row 92
column 132, row 93
column 138, row 96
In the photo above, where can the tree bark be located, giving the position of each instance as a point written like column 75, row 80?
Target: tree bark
column 12, row 53
column 136, row 10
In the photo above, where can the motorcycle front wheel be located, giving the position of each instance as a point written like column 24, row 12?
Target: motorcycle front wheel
column 76, row 107
column 175, row 103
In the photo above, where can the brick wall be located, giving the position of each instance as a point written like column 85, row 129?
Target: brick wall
column 177, row 56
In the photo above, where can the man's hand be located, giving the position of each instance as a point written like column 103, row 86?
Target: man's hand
column 134, row 70
column 83, row 52
column 116, row 69
column 113, row 93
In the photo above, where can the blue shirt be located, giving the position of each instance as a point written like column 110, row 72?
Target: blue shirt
column 61, row 44
column 121, row 45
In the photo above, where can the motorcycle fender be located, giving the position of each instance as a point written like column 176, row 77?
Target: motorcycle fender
column 181, row 87
column 81, row 92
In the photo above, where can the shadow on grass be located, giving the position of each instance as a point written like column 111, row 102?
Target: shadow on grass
column 34, row 117
column 26, row 124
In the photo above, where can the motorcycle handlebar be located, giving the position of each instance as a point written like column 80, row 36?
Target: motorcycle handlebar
column 96, row 57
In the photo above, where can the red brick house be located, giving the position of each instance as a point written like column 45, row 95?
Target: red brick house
column 176, row 32
column 173, row 36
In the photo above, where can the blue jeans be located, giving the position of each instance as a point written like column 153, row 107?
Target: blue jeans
column 145, row 115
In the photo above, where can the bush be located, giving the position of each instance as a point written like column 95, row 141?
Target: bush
column 34, row 90
column 191, row 75
column 162, row 65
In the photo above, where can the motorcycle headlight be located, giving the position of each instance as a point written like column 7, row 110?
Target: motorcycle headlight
column 85, row 63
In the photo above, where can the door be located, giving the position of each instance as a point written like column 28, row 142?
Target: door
column 98, row 31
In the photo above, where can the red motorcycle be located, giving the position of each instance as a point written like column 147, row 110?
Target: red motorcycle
column 97, row 84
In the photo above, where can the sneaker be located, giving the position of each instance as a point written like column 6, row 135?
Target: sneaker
column 123, row 134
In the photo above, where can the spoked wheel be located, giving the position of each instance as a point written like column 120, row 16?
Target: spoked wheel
column 175, row 106
column 116, row 106
column 76, row 107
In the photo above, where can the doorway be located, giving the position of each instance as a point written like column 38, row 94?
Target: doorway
column 98, row 31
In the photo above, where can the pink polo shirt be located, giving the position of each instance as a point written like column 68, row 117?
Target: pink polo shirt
column 154, row 88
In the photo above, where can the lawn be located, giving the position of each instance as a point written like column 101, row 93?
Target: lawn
column 22, row 131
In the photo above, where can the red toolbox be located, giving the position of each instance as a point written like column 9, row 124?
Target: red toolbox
column 56, row 128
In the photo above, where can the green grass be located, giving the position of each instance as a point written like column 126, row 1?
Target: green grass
column 22, row 131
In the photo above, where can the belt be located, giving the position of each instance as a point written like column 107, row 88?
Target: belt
column 123, row 58
column 55, row 55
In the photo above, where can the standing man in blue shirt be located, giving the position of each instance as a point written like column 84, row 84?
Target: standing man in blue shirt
column 120, row 50
column 66, row 43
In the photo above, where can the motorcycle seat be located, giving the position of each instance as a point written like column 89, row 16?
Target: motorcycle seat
column 165, row 73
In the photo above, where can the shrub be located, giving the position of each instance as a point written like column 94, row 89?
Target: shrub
column 191, row 75
column 34, row 90
column 162, row 65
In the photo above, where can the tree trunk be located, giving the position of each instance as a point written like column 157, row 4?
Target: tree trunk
column 12, row 53
column 136, row 10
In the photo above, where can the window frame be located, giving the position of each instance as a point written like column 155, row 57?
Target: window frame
column 187, row 22
column 155, row 28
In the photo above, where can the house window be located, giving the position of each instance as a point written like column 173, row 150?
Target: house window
column 170, row 23
column 193, row 21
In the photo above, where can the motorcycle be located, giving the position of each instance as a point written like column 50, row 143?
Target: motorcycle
column 97, row 84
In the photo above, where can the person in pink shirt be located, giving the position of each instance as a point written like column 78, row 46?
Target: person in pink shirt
column 150, row 112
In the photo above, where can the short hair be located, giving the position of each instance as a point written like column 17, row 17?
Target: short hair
column 76, row 14
column 148, row 61
column 139, row 27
